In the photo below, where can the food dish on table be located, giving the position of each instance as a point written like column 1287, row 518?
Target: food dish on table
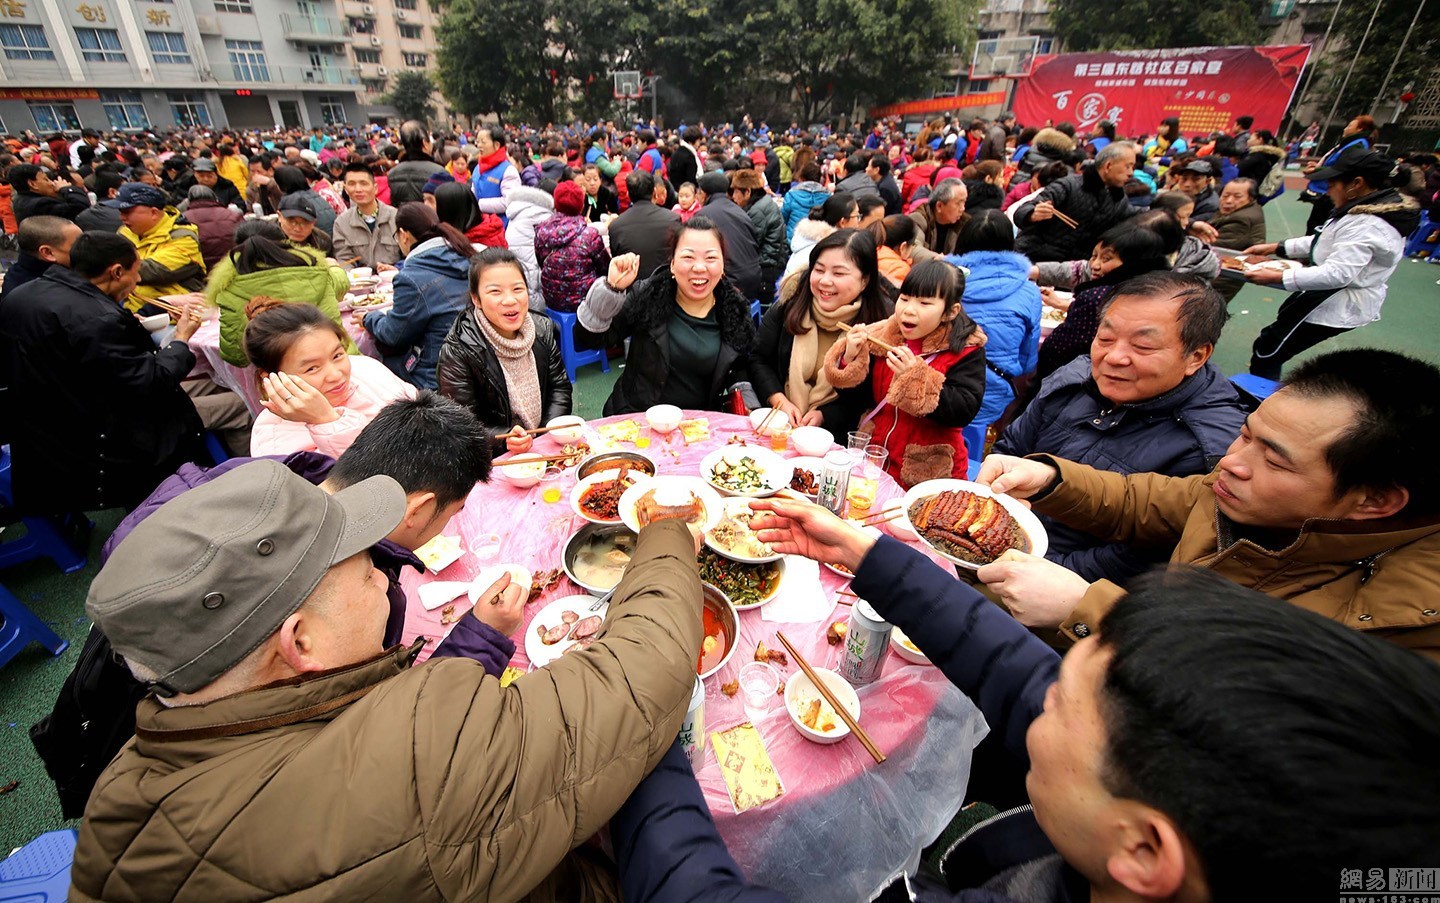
column 734, row 538
column 574, row 453
column 440, row 552
column 571, row 429
column 745, row 585
column 521, row 471
column 744, row 471
column 820, row 723
column 805, row 472
column 620, row 431
column 697, row 430
column 633, row 460
column 904, row 647
column 565, row 625
column 597, row 497
column 597, row 555
column 969, row 525
column 671, row 496
column 721, row 631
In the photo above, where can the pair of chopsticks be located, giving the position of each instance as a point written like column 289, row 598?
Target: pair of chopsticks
column 1066, row 220
column 874, row 341
column 170, row 309
column 840, row 710
column 882, row 517
column 760, row 428
column 542, row 430
column 548, row 459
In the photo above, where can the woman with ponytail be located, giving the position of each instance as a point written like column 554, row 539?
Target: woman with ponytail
column 432, row 288
column 316, row 397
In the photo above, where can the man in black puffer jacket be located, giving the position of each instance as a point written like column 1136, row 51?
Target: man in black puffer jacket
column 1094, row 199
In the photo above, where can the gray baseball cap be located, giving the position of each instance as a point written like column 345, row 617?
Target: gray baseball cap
column 212, row 574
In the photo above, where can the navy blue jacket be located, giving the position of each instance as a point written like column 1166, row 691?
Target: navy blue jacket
column 665, row 840
column 430, row 292
column 1183, row 432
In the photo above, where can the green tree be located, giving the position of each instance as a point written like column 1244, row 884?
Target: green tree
column 493, row 58
column 410, row 95
column 1155, row 24
column 1376, row 58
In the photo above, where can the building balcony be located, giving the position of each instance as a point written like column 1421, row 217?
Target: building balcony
column 315, row 29
column 286, row 76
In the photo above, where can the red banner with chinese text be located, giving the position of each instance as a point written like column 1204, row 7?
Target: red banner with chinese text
column 1206, row 87
column 938, row 105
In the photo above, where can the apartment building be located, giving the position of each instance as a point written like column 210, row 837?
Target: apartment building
column 390, row 36
column 142, row 64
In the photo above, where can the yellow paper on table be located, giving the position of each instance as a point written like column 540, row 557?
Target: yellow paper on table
column 749, row 774
column 623, row 431
column 697, row 430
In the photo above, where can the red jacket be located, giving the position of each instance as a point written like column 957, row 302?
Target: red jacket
column 924, row 409
column 7, row 210
column 490, row 232
column 916, row 176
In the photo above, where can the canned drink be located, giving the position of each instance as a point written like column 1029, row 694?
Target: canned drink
column 866, row 644
column 692, row 729
column 834, row 481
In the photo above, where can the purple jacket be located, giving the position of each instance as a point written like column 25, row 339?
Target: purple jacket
column 469, row 638
column 571, row 255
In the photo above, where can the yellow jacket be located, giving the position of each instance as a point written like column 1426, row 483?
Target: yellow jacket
column 170, row 261
column 233, row 170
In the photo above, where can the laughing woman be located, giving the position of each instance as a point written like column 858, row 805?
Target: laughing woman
column 689, row 327
column 501, row 360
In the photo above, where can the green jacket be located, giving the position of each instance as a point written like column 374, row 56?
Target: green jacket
column 786, row 155
column 317, row 283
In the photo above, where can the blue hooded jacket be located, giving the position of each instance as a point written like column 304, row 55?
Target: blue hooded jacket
column 1001, row 298
column 799, row 201
column 430, row 291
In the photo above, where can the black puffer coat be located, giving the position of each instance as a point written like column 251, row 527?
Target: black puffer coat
column 645, row 319
column 1083, row 197
column 470, row 373
column 407, row 180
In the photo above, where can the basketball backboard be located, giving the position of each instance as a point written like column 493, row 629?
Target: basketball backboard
column 1004, row 57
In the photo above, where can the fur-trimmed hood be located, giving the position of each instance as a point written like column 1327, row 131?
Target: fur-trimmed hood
column 810, row 231
column 1268, row 150
column 652, row 303
column 1400, row 211
column 525, row 195
column 1054, row 141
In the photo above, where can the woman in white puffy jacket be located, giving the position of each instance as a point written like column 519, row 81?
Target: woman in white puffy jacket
column 528, row 208
column 1348, row 262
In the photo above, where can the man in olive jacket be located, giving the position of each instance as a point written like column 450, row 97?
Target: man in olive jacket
column 284, row 753
column 1328, row 499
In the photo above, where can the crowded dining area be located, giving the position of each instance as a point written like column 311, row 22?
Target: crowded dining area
column 604, row 513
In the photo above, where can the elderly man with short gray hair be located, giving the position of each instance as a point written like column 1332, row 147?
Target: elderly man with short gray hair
column 940, row 220
column 1094, row 200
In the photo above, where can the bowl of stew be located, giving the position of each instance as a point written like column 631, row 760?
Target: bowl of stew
column 722, row 630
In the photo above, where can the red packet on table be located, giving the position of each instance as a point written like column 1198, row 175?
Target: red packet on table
column 746, row 767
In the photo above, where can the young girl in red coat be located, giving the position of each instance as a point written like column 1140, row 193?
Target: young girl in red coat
column 929, row 386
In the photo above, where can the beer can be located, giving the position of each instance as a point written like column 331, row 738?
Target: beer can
column 692, row 729
column 834, row 481
column 866, row 644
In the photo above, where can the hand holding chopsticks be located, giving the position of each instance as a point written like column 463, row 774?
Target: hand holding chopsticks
column 835, row 704
column 883, row 346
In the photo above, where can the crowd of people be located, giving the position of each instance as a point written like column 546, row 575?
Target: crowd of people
column 1201, row 739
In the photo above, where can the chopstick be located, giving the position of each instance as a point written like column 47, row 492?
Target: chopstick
column 541, row 430
column 885, row 517
column 840, row 710
column 765, row 421
column 170, row 309
column 547, row 459
column 874, row 341
column 1066, row 220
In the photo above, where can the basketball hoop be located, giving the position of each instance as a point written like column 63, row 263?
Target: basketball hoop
column 628, row 85
column 1004, row 58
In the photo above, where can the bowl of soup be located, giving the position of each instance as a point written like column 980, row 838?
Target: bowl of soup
column 721, row 629
column 597, row 555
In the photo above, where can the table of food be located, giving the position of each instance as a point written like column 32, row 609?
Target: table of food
column 366, row 293
column 802, row 805
column 1237, row 265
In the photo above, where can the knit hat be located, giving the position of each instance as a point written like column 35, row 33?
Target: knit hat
column 435, row 181
column 569, row 198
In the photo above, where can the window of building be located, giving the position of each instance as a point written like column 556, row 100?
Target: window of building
column 124, row 109
column 374, row 85
column 1045, row 45
column 332, row 109
column 25, row 42
column 407, row 4
column 167, row 46
column 367, row 56
column 418, row 60
column 362, row 26
column 233, row 6
column 247, row 60
column 411, row 31
column 100, row 45
column 189, row 110
column 979, row 86
column 55, row 117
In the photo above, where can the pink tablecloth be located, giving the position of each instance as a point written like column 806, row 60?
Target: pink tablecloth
column 845, row 826
column 241, row 380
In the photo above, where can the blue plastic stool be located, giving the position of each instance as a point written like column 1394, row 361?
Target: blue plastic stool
column 1258, row 386
column 218, row 453
column 565, row 325
column 19, row 628
column 756, row 313
column 1416, row 242
column 39, row 872
column 975, row 446
column 42, row 534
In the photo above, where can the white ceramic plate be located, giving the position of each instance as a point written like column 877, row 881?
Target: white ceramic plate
column 774, row 470
column 770, row 597
column 905, row 648
column 740, row 506
column 540, row 654
column 636, row 477
column 874, row 532
column 708, row 497
column 1029, row 523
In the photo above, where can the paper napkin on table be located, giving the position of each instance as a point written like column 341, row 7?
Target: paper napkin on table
column 749, row 774
column 802, row 598
column 438, row 592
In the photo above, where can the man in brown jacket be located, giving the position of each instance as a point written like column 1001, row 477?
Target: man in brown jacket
column 285, row 754
column 1329, row 499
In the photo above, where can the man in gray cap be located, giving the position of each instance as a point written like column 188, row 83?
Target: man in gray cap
column 208, row 175
column 285, row 753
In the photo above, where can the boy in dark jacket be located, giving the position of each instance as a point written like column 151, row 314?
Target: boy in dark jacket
column 1162, row 756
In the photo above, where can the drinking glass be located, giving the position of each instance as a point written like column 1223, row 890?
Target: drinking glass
column 551, row 481
column 875, row 458
column 759, row 682
column 855, row 446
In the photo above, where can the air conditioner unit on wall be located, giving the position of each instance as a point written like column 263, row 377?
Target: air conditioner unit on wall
column 383, row 71
column 207, row 25
column 369, row 9
column 400, row 15
column 374, row 40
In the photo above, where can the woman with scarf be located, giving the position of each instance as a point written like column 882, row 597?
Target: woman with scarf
column 1358, row 133
column 841, row 286
column 501, row 360
column 495, row 176
column 1166, row 143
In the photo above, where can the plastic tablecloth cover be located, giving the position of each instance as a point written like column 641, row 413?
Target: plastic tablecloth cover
column 845, row 827
column 241, row 380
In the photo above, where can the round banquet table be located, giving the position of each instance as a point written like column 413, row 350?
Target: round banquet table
column 241, row 380
column 845, row 827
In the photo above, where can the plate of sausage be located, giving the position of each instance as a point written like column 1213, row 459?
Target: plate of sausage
column 564, row 626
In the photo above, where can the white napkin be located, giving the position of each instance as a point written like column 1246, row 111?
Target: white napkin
column 437, row 593
column 802, row 598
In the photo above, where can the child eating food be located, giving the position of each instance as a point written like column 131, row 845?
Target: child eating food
column 932, row 379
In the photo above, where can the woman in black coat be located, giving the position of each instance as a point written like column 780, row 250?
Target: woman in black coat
column 842, row 285
column 690, row 329
column 501, row 360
